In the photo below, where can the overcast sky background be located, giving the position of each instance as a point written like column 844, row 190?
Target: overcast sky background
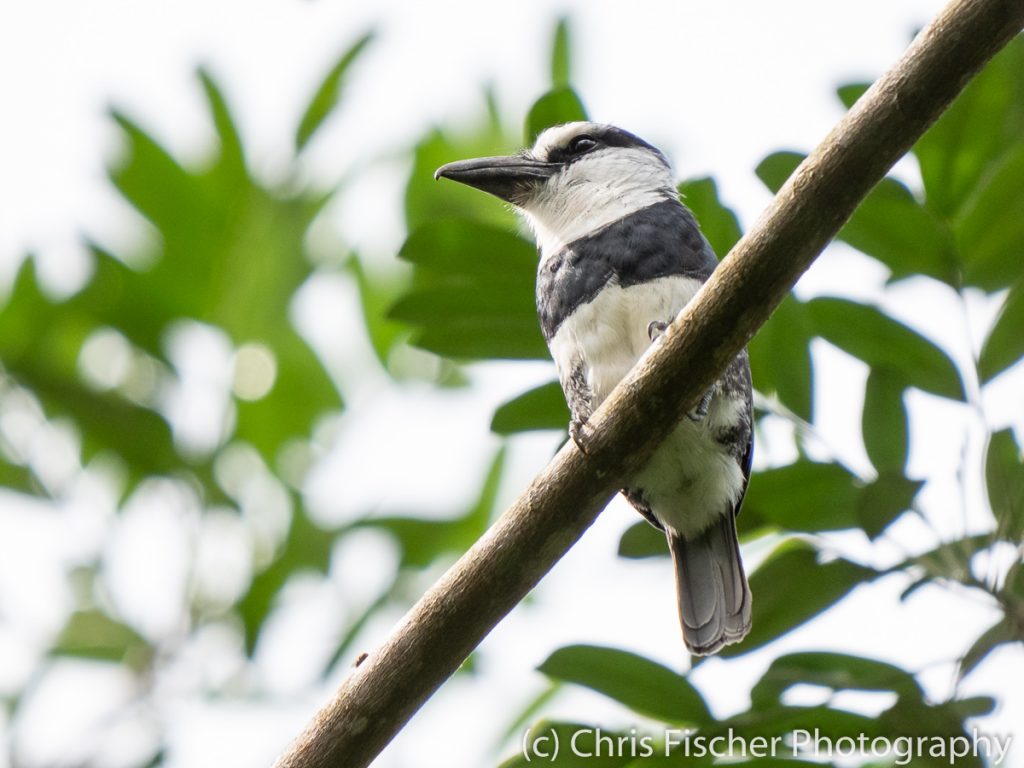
column 717, row 85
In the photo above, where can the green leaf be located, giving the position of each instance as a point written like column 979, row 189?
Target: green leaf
column 448, row 249
column 869, row 335
column 837, row 671
column 883, row 500
column 557, row 106
column 481, row 338
column 40, row 342
column 472, row 293
column 804, row 496
column 850, row 93
column 109, row 422
column 780, row 358
column 19, row 478
column 1013, row 585
column 1004, row 346
column 540, row 408
column 561, row 56
column 998, row 634
column 232, row 154
column 894, row 228
column 378, row 290
column 717, row 221
column 990, row 228
column 984, row 122
column 950, row 561
column 427, row 200
column 648, row 688
column 823, row 720
column 642, row 540
column 95, row 635
column 810, row 587
column 889, row 225
column 975, row 706
column 910, row 718
column 777, row 167
column 181, row 205
column 1004, row 479
column 328, row 94
column 884, row 420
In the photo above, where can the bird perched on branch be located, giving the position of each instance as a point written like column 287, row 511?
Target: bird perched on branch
column 620, row 256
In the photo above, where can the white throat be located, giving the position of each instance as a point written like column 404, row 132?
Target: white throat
column 594, row 192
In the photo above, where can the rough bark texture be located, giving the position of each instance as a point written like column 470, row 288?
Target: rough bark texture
column 380, row 695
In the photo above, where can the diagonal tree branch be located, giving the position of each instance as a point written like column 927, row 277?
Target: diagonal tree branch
column 381, row 694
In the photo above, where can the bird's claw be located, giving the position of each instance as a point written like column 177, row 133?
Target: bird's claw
column 655, row 329
column 578, row 433
column 698, row 413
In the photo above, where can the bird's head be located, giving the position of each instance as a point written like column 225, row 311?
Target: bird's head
column 576, row 178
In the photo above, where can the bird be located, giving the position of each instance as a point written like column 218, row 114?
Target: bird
column 619, row 256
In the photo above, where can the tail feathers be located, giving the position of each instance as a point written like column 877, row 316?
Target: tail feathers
column 714, row 597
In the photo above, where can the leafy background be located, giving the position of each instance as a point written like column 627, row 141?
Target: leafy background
column 179, row 389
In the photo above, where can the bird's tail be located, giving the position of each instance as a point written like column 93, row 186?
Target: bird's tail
column 714, row 597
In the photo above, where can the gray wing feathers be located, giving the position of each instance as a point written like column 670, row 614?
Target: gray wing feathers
column 714, row 597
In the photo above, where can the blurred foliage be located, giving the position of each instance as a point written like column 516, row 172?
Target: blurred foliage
column 231, row 254
column 656, row 692
column 328, row 94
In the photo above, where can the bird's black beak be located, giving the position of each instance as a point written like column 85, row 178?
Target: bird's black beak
column 511, row 177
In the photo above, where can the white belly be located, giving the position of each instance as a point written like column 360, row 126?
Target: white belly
column 691, row 478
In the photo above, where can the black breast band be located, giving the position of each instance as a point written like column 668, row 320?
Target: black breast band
column 658, row 241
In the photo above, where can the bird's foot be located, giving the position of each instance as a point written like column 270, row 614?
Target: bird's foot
column 655, row 329
column 698, row 413
column 578, row 433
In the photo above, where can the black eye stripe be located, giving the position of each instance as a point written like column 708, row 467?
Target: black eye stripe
column 581, row 144
column 604, row 137
column 576, row 148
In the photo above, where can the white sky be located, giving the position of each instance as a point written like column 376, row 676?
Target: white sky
column 718, row 85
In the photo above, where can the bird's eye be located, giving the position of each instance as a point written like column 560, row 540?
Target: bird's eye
column 581, row 144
